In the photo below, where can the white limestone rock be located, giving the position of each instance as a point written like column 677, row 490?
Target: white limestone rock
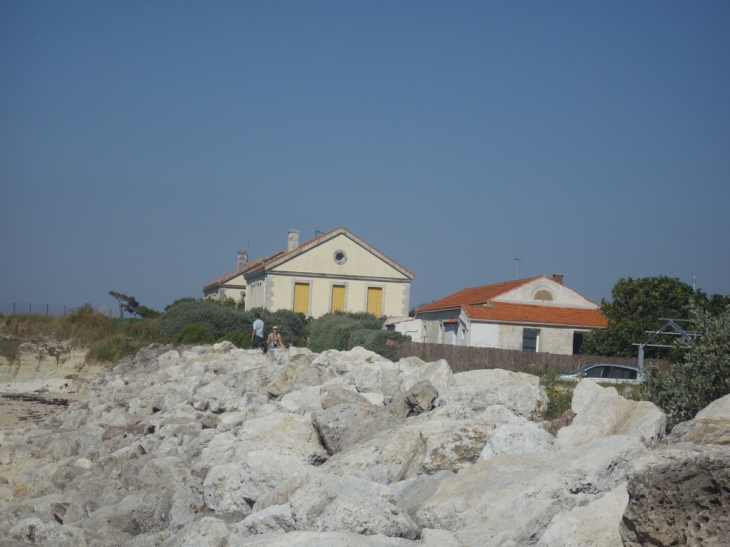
column 478, row 389
column 231, row 489
column 511, row 498
column 302, row 401
column 323, row 539
column 418, row 446
column 413, row 370
column 592, row 525
column 711, row 425
column 276, row 518
column 206, row 532
column 601, row 411
column 325, row 504
column 525, row 438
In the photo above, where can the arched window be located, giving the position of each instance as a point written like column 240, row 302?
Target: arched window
column 543, row 295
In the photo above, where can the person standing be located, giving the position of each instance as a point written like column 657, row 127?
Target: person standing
column 257, row 333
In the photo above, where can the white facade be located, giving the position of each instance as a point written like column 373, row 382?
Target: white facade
column 535, row 314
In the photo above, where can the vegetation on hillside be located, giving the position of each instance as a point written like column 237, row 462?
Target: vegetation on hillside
column 108, row 339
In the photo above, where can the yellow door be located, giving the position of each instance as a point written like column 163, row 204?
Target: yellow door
column 375, row 301
column 301, row 297
column 338, row 298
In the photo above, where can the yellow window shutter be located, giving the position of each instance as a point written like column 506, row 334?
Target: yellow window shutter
column 301, row 297
column 375, row 301
column 338, row 298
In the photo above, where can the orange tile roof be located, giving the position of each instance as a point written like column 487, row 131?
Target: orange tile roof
column 249, row 265
column 476, row 295
column 531, row 313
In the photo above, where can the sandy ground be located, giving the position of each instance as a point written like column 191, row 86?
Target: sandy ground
column 23, row 409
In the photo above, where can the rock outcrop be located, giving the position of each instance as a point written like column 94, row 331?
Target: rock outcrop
column 213, row 445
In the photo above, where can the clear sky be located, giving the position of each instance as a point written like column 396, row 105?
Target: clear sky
column 142, row 144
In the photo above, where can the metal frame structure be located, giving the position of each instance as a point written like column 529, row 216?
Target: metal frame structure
column 669, row 323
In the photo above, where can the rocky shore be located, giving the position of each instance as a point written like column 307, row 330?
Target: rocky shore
column 217, row 446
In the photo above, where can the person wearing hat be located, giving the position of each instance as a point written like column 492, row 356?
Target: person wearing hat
column 274, row 340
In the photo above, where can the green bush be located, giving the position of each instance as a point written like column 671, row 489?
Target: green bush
column 221, row 319
column 377, row 341
column 195, row 333
column 332, row 331
column 702, row 377
column 218, row 319
column 237, row 338
column 343, row 331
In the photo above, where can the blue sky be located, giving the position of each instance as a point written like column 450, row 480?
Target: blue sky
column 142, row 144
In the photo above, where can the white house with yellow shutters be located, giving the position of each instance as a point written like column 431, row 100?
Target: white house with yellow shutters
column 336, row 271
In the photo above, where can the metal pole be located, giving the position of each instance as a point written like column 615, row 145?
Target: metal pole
column 13, row 308
column 641, row 360
column 46, row 310
column 30, row 308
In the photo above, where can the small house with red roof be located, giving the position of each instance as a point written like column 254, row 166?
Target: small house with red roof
column 532, row 314
column 336, row 271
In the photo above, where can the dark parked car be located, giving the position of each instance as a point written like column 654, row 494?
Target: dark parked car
column 606, row 372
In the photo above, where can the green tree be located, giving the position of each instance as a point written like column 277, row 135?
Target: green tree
column 637, row 306
column 702, row 377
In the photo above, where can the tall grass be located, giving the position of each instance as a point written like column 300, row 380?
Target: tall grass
column 108, row 339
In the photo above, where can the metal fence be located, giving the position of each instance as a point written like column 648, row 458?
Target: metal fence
column 462, row 358
column 49, row 310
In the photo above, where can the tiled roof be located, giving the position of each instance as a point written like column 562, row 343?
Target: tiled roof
column 252, row 264
column 475, row 295
column 307, row 245
column 531, row 313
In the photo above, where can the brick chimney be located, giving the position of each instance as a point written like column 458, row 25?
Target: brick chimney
column 293, row 241
column 558, row 278
column 242, row 259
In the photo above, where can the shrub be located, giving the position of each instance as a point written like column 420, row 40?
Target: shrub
column 195, row 333
column 112, row 349
column 332, row 331
column 702, row 377
column 560, row 396
column 217, row 319
column 237, row 338
column 377, row 341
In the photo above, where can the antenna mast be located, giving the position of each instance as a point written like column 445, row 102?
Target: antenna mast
column 516, row 267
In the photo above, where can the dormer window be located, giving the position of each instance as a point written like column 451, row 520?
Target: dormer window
column 544, row 295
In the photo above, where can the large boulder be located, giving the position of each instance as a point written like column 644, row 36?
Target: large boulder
column 343, row 426
column 477, row 390
column 711, row 425
column 511, row 499
column 412, row 370
column 680, row 502
column 327, row 504
column 525, row 438
column 601, row 411
column 592, row 525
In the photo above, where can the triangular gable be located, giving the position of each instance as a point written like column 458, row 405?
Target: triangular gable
column 282, row 262
column 561, row 295
column 475, row 295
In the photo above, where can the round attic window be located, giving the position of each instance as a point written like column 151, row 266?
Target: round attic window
column 340, row 257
